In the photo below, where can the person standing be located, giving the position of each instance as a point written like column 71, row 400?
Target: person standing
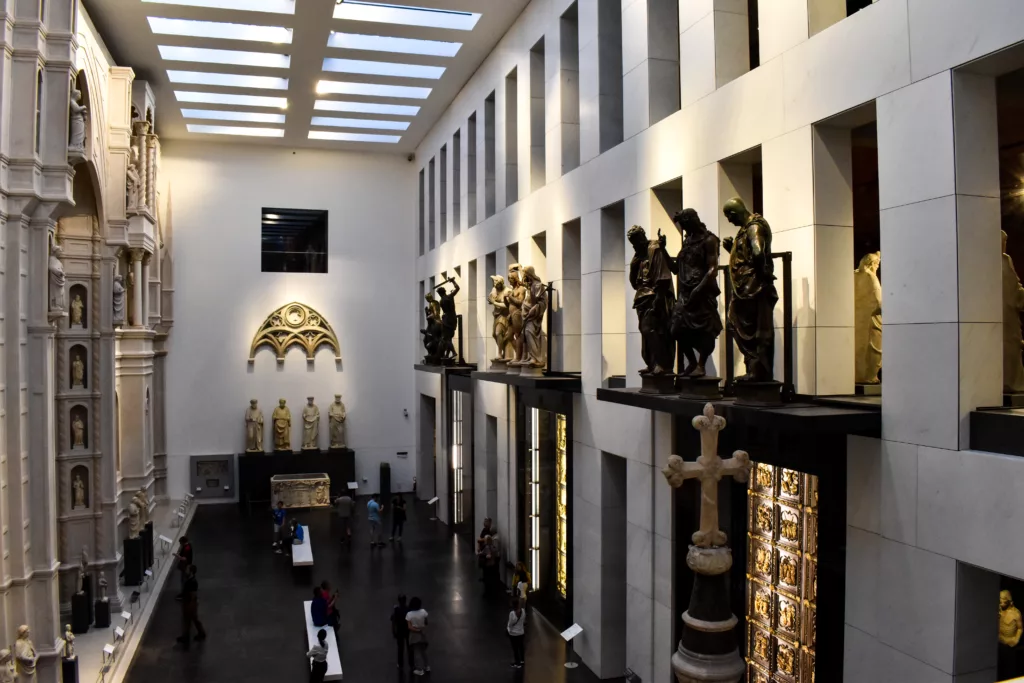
column 190, row 608
column 517, row 633
column 487, row 530
column 397, row 517
column 345, row 507
column 489, row 555
column 185, row 558
column 373, row 510
column 520, row 583
column 279, row 515
column 400, row 631
column 318, row 654
column 416, row 618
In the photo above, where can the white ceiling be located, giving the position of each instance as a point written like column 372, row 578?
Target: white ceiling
column 125, row 27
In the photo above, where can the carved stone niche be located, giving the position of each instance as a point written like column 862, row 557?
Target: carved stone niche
column 78, row 427
column 78, row 307
column 79, row 487
column 78, row 367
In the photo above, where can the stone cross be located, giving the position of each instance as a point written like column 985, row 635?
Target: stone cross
column 709, row 469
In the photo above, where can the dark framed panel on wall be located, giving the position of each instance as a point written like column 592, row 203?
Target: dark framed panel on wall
column 544, row 498
column 461, row 470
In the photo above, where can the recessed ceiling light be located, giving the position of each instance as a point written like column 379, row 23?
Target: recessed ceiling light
column 247, row 116
column 372, row 90
column 217, row 29
column 178, row 53
column 274, row 6
column 352, row 137
column 358, row 123
column 355, row 10
column 225, row 98
column 411, row 46
column 358, row 66
column 236, row 130
column 367, row 107
column 228, row 80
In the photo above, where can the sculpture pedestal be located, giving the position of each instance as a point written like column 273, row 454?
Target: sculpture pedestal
column 707, row 652
column 531, row 371
column 147, row 545
column 657, row 384
column 700, row 387
column 513, row 368
column 87, row 589
column 499, row 365
column 276, row 452
column 759, row 393
column 80, row 613
column 340, row 452
column 102, row 607
column 133, row 568
column 69, row 670
column 869, row 389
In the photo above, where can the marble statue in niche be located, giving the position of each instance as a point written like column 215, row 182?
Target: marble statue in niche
column 57, row 278
column 1013, row 305
column 119, row 303
column 534, row 347
column 134, row 520
column 69, row 642
column 752, row 273
column 310, row 426
column 79, row 489
column 497, row 299
column 77, row 308
column 76, row 128
column 867, row 304
column 8, row 669
column 77, row 371
column 77, row 430
column 253, row 428
column 1010, row 624
column 696, row 323
column 432, row 335
column 650, row 275
column 449, row 319
column 282, row 421
column 133, row 181
column 25, row 655
column 515, row 298
column 336, row 417
column 142, row 501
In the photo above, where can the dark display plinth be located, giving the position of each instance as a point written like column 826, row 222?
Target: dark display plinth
column 87, row 588
column 1013, row 400
column 147, row 545
column 759, row 393
column 700, row 388
column 256, row 469
column 69, row 670
column 133, row 566
column 102, row 607
column 80, row 613
column 658, row 384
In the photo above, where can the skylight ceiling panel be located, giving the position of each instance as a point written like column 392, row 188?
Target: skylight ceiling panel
column 202, row 55
column 372, row 90
column 373, row 68
column 227, row 80
column 374, row 124
column 369, row 42
column 230, row 99
column 352, row 137
column 235, row 130
column 220, row 30
column 224, row 115
column 357, row 107
column 271, row 6
column 382, row 13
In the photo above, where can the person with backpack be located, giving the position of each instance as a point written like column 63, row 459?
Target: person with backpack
column 400, row 631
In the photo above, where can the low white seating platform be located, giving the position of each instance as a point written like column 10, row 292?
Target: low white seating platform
column 302, row 555
column 334, row 672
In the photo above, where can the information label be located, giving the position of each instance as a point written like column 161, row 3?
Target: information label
column 119, row 632
column 571, row 632
column 127, row 616
column 353, row 485
column 433, row 500
column 108, row 649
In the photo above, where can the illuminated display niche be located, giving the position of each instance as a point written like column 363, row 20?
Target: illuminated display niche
column 782, row 563
column 561, row 504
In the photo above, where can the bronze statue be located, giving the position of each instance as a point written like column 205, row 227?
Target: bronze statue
column 534, row 306
column 696, row 323
column 449, row 320
column 1010, row 624
column 650, row 274
column 753, row 290
column 432, row 333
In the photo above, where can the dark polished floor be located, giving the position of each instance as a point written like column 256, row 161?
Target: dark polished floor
column 251, row 606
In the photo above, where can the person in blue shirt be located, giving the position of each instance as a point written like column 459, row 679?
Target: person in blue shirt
column 298, row 533
column 279, row 514
column 320, row 611
column 373, row 510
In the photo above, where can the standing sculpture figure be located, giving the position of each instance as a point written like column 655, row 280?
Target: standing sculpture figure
column 449, row 320
column 432, row 334
column 282, row 421
column 25, row 656
column 1013, row 304
column 253, row 428
column 867, row 304
column 696, row 323
column 497, row 299
column 753, row 290
column 76, row 127
column 78, row 500
column 57, row 278
column 77, row 371
column 77, row 432
column 133, row 182
column 69, row 642
column 134, row 523
column 118, row 300
column 77, row 308
column 1010, row 624
column 514, row 300
column 336, row 419
column 310, row 426
column 8, row 670
column 142, row 500
column 535, row 305
column 83, row 570
column 650, row 275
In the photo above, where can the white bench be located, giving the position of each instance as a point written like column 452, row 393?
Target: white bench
column 302, row 554
column 334, row 672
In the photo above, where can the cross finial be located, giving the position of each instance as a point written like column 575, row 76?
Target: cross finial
column 709, row 469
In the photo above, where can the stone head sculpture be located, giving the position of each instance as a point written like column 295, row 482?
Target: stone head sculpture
column 514, row 271
column 309, row 400
column 498, row 282
column 252, row 402
column 871, row 261
column 24, row 632
column 530, row 274
column 637, row 236
column 281, row 402
column 736, row 212
column 1005, row 600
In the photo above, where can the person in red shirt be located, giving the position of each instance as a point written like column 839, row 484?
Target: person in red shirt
column 331, row 597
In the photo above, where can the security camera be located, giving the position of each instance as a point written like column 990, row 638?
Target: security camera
column 411, row 158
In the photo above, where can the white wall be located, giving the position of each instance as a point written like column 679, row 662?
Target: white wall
column 221, row 298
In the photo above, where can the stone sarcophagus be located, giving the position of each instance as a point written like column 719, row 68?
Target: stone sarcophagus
column 301, row 490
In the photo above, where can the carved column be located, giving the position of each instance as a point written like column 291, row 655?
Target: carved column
column 144, row 287
column 138, row 284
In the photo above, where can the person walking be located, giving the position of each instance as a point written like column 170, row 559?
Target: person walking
column 345, row 508
column 488, row 531
column 397, row 517
column 373, row 510
column 517, row 633
column 400, row 631
column 318, row 655
column 190, row 608
column 184, row 557
column 489, row 558
column 279, row 514
column 416, row 618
